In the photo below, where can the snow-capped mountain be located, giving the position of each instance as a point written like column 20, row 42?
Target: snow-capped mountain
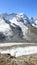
column 8, row 16
column 36, row 21
column 17, row 28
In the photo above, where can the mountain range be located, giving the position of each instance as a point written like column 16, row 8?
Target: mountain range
column 17, row 28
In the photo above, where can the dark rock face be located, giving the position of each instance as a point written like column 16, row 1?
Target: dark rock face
column 2, row 36
column 16, row 30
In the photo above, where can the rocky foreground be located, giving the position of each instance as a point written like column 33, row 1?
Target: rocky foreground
column 7, row 59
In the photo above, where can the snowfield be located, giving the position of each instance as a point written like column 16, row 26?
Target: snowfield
column 19, row 51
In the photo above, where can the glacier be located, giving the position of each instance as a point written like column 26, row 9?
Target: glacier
column 20, row 51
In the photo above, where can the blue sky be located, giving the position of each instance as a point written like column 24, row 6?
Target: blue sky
column 29, row 7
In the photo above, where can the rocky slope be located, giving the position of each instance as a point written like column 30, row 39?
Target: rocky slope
column 24, row 60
